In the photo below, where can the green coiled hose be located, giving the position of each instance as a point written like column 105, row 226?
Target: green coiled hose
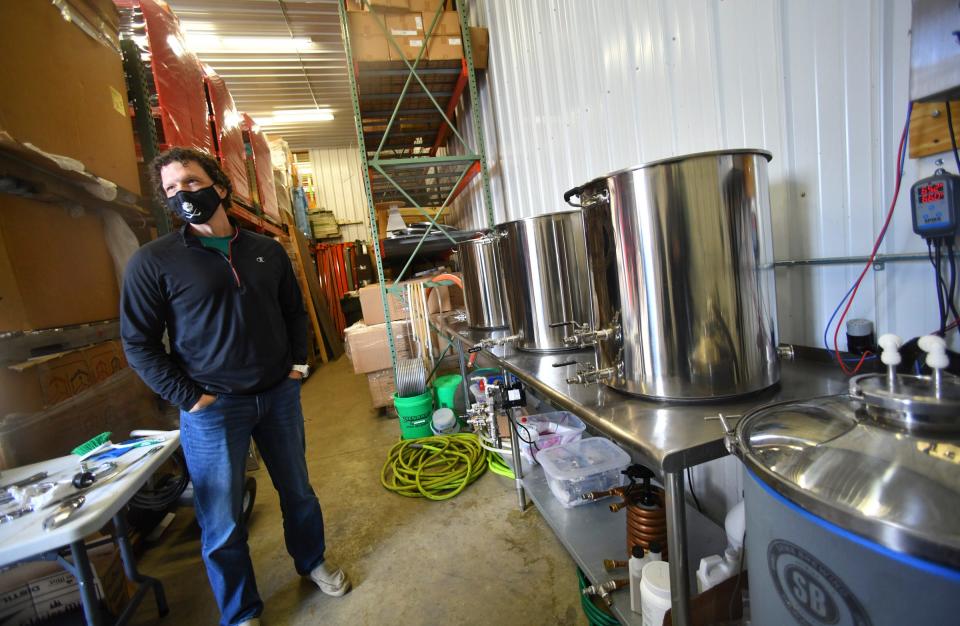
column 436, row 468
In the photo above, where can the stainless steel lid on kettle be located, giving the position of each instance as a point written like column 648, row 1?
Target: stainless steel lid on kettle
column 883, row 462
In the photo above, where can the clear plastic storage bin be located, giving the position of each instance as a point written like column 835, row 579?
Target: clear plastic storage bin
column 547, row 430
column 583, row 466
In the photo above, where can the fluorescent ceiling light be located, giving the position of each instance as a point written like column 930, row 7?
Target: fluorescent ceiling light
column 248, row 45
column 282, row 117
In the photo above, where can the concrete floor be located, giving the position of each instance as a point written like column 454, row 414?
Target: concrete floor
column 471, row 560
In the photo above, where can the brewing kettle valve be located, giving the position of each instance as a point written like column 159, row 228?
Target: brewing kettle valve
column 583, row 337
column 591, row 374
column 493, row 342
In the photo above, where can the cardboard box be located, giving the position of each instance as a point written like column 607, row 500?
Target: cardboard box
column 368, row 349
column 447, row 44
column 36, row 591
column 480, row 42
column 120, row 404
column 55, row 269
column 367, row 38
column 407, row 32
column 426, row 7
column 372, row 305
column 382, row 387
column 64, row 91
column 105, row 359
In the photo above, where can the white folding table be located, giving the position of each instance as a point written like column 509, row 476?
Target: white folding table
column 24, row 538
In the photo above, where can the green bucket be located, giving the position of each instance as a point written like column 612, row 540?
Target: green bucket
column 415, row 414
column 447, row 387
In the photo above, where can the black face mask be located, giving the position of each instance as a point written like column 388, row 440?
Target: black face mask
column 195, row 207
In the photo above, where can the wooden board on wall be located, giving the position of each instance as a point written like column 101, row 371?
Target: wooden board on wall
column 929, row 133
column 330, row 334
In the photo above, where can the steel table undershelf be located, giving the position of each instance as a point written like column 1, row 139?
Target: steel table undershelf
column 668, row 436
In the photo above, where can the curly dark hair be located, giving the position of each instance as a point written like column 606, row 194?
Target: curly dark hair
column 184, row 156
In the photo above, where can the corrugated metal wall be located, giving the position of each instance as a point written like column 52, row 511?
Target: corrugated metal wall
column 340, row 189
column 578, row 88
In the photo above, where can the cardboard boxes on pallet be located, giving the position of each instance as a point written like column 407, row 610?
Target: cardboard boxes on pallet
column 64, row 90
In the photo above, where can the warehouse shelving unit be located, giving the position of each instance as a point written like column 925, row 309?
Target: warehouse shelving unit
column 403, row 111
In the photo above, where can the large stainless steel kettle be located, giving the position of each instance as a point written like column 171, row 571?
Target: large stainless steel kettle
column 681, row 277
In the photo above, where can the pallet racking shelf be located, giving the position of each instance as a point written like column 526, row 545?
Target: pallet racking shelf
column 404, row 112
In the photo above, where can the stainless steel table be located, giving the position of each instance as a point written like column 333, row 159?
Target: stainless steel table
column 669, row 436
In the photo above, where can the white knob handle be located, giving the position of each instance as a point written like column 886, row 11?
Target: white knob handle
column 890, row 345
column 936, row 349
column 931, row 343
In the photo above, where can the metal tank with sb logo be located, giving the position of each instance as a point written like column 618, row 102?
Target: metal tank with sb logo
column 853, row 505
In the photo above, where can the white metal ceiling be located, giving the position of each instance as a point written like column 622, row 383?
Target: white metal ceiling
column 264, row 82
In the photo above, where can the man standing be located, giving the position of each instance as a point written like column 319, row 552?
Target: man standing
column 230, row 303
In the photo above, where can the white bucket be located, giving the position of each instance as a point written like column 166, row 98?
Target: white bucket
column 444, row 422
column 655, row 592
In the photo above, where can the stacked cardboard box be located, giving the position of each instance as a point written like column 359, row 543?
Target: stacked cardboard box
column 55, row 268
column 382, row 387
column 372, row 304
column 370, row 43
column 42, row 382
column 368, row 349
column 64, row 90
column 39, row 592
column 323, row 224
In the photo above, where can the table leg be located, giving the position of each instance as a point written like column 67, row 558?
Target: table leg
column 144, row 583
column 677, row 543
column 87, row 584
column 517, row 462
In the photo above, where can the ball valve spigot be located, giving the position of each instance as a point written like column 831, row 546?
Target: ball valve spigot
column 890, row 356
column 937, row 359
column 591, row 374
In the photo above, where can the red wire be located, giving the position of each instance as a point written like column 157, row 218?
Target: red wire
column 869, row 264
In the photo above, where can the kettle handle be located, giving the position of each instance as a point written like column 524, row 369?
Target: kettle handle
column 576, row 191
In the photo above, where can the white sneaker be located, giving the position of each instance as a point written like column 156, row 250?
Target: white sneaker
column 255, row 621
column 332, row 582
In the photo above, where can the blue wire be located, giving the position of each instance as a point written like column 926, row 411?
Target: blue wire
column 900, row 163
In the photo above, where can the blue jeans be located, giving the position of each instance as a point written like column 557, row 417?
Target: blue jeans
column 215, row 441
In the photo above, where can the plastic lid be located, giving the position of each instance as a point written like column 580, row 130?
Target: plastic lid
column 656, row 575
column 444, row 418
column 637, row 551
column 655, row 547
column 586, row 457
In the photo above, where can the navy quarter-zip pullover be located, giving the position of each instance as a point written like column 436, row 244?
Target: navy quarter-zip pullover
column 236, row 324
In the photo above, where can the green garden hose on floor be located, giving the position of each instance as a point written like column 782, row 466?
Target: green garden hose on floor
column 595, row 615
column 436, row 468
column 498, row 466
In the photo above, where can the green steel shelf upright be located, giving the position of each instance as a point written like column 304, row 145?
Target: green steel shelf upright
column 405, row 109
